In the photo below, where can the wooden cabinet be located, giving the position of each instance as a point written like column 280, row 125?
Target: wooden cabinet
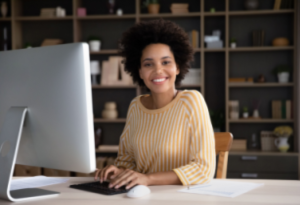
column 262, row 167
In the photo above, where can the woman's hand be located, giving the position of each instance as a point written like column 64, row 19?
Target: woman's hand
column 128, row 177
column 107, row 172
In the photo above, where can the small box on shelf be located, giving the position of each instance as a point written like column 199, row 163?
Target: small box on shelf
column 239, row 145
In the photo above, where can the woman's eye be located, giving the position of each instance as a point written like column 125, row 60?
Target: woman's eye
column 147, row 64
column 166, row 62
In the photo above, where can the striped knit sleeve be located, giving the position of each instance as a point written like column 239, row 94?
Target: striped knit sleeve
column 125, row 154
column 201, row 168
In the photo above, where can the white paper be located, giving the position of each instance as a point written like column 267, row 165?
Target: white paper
column 33, row 182
column 224, row 188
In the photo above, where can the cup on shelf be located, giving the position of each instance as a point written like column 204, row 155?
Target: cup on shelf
column 95, row 72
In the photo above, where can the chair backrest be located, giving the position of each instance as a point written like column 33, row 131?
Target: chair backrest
column 223, row 141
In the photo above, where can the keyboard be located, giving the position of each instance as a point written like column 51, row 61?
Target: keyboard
column 100, row 188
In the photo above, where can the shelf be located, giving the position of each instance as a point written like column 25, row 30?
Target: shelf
column 261, row 48
column 217, row 13
column 5, row 19
column 107, row 149
column 170, row 15
column 105, row 51
column 39, row 18
column 214, row 49
column 119, row 120
column 261, row 121
column 112, row 16
column 263, row 153
column 260, row 84
column 260, row 12
column 114, row 86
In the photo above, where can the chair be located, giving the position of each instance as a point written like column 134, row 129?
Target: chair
column 223, row 141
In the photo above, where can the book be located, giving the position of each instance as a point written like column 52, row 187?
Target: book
column 105, row 73
column 194, row 38
column 179, row 11
column 276, row 109
column 277, row 4
column 288, row 106
column 114, row 73
column 179, row 6
column 283, row 109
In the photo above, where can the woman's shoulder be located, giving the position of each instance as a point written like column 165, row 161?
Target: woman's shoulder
column 193, row 95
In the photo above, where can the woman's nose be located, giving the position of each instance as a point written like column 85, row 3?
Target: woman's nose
column 158, row 68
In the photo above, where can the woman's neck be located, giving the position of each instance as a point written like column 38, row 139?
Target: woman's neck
column 160, row 100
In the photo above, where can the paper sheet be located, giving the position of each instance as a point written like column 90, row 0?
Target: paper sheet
column 224, row 188
column 33, row 182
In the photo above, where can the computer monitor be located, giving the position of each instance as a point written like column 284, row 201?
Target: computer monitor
column 48, row 90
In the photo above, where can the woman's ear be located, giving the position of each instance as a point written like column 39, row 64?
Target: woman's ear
column 177, row 69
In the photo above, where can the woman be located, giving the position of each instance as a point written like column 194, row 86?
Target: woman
column 168, row 136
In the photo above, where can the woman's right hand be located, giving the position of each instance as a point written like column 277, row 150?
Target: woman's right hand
column 107, row 172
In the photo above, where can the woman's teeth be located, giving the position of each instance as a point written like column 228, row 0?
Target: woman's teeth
column 159, row 80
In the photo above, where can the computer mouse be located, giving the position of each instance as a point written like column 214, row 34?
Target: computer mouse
column 138, row 191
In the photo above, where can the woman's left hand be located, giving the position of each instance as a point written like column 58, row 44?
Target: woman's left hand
column 129, row 178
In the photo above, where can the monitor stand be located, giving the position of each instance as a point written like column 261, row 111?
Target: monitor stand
column 10, row 135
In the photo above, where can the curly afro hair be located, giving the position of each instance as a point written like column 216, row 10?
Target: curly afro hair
column 136, row 38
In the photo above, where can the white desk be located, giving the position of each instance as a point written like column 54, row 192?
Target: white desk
column 273, row 192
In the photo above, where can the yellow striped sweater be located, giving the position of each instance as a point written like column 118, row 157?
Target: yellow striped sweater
column 177, row 137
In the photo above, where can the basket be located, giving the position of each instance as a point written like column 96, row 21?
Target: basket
column 267, row 141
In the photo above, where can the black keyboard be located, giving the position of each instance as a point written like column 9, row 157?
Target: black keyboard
column 100, row 188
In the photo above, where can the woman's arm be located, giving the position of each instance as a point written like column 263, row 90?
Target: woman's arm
column 201, row 168
column 130, row 178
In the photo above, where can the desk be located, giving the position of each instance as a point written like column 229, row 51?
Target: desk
column 273, row 192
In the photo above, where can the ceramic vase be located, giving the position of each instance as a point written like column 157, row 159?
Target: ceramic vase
column 283, row 77
column 233, row 45
column 256, row 113
column 282, row 144
column 95, row 45
column 110, row 111
column 245, row 115
column 4, row 9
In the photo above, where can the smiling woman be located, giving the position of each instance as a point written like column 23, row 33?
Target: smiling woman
column 168, row 136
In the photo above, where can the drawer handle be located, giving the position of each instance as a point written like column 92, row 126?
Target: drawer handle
column 249, row 175
column 249, row 157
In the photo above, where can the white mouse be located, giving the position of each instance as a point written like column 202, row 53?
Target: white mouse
column 138, row 191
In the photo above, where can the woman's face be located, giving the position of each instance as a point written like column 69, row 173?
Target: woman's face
column 158, row 68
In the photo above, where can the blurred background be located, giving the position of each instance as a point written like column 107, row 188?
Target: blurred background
column 246, row 66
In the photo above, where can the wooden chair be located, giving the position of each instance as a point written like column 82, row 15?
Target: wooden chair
column 223, row 141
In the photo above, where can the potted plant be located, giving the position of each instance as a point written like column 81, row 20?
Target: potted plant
column 282, row 133
column 152, row 5
column 233, row 43
column 245, row 112
column 94, row 43
column 283, row 73
column 217, row 120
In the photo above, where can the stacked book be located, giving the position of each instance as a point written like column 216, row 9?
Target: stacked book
column 282, row 109
column 179, row 8
column 239, row 145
